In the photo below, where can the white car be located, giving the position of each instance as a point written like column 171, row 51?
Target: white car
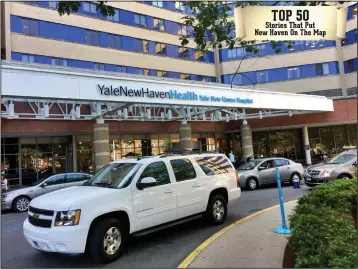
column 132, row 196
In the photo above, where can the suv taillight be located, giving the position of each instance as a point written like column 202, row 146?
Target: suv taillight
column 237, row 179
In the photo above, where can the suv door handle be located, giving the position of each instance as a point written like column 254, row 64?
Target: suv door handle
column 196, row 185
column 169, row 191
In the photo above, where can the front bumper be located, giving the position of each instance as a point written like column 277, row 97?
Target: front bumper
column 313, row 181
column 68, row 240
column 5, row 204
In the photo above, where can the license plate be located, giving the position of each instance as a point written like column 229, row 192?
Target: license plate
column 308, row 178
column 36, row 244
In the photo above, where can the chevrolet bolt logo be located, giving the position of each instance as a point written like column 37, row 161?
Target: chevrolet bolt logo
column 35, row 216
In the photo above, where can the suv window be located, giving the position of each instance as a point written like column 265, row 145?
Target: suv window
column 158, row 171
column 214, row 165
column 55, row 180
column 281, row 162
column 268, row 164
column 183, row 169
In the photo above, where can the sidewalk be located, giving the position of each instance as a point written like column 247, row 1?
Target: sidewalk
column 249, row 244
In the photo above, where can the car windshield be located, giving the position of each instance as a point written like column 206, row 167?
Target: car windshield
column 114, row 175
column 341, row 159
column 250, row 165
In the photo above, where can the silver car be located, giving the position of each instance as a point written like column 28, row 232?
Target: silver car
column 18, row 199
column 342, row 166
column 259, row 172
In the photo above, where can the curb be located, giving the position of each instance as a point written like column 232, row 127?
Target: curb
column 189, row 259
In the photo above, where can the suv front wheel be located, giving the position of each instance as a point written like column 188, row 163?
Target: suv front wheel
column 107, row 240
column 216, row 210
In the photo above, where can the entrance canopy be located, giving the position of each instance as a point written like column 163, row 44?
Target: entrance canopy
column 54, row 92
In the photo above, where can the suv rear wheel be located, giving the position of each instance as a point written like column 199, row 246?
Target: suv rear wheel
column 216, row 210
column 107, row 240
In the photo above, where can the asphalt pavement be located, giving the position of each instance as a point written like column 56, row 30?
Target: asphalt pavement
column 163, row 249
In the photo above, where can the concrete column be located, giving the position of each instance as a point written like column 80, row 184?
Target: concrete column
column 74, row 153
column 101, row 144
column 185, row 137
column 341, row 67
column 306, row 143
column 246, row 141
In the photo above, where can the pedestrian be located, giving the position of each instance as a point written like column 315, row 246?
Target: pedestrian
column 4, row 183
column 232, row 157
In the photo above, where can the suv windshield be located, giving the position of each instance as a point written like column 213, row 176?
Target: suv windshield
column 114, row 175
column 341, row 159
column 250, row 165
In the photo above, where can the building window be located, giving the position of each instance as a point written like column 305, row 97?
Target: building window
column 115, row 17
column 114, row 41
column 162, row 74
column 181, row 29
column 28, row 58
column 198, row 55
column 29, row 27
column 159, row 24
column 99, row 66
column 157, row 3
column 90, row 7
column 237, row 79
column 145, row 46
column 322, row 69
column 350, row 66
column 354, row 11
column 293, row 72
column 140, row 71
column 139, row 20
column 179, row 6
column 53, row 4
column 344, row 41
column 236, row 53
column 183, row 52
column 355, row 35
column 56, row 61
column 262, row 76
column 160, row 49
column 185, row 76
column 91, row 37
column 122, row 69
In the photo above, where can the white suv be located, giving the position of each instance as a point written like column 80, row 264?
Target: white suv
column 132, row 196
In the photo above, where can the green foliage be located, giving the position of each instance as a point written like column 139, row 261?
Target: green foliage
column 212, row 16
column 323, row 231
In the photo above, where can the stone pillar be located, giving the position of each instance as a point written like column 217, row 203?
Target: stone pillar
column 101, row 144
column 246, row 141
column 185, row 137
column 306, row 144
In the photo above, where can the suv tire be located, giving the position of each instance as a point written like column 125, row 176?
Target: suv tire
column 216, row 211
column 109, row 232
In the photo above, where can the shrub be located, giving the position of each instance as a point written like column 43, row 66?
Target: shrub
column 323, row 231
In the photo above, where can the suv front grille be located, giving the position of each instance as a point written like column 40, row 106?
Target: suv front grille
column 41, row 211
column 313, row 172
column 44, row 223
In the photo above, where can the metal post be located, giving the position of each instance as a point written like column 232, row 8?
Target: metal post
column 283, row 229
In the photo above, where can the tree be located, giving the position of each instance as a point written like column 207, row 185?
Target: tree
column 211, row 16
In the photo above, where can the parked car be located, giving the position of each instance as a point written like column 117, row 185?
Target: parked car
column 259, row 172
column 131, row 196
column 339, row 167
column 18, row 199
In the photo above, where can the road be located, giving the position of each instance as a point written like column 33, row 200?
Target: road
column 164, row 249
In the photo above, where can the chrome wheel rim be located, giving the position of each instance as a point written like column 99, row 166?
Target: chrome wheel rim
column 252, row 184
column 23, row 204
column 218, row 210
column 112, row 240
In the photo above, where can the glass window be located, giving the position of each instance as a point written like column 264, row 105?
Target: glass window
column 76, row 178
column 179, row 6
column 56, row 61
column 139, row 45
column 237, row 79
column 293, row 72
column 55, row 180
column 158, row 171
column 140, row 20
column 122, row 69
column 115, row 17
column 352, row 132
column 25, row 26
column 162, row 74
column 344, row 41
column 99, row 66
column 53, row 4
column 89, row 7
column 184, row 76
column 198, row 55
column 181, row 29
column 146, row 72
column 114, row 41
column 145, row 46
column 140, row 71
column 28, row 58
column 281, row 162
column 341, row 137
column 327, row 140
column 214, row 165
column 183, row 52
column 183, row 169
column 268, row 164
column 322, row 69
column 350, row 66
column 160, row 49
column 157, row 3
column 159, row 24
column 354, row 11
column 34, row 28
column 262, row 76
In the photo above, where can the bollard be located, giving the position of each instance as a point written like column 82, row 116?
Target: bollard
column 283, row 229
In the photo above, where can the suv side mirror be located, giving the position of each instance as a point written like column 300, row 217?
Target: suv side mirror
column 43, row 185
column 146, row 182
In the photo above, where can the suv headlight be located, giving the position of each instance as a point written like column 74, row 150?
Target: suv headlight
column 327, row 173
column 68, row 218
